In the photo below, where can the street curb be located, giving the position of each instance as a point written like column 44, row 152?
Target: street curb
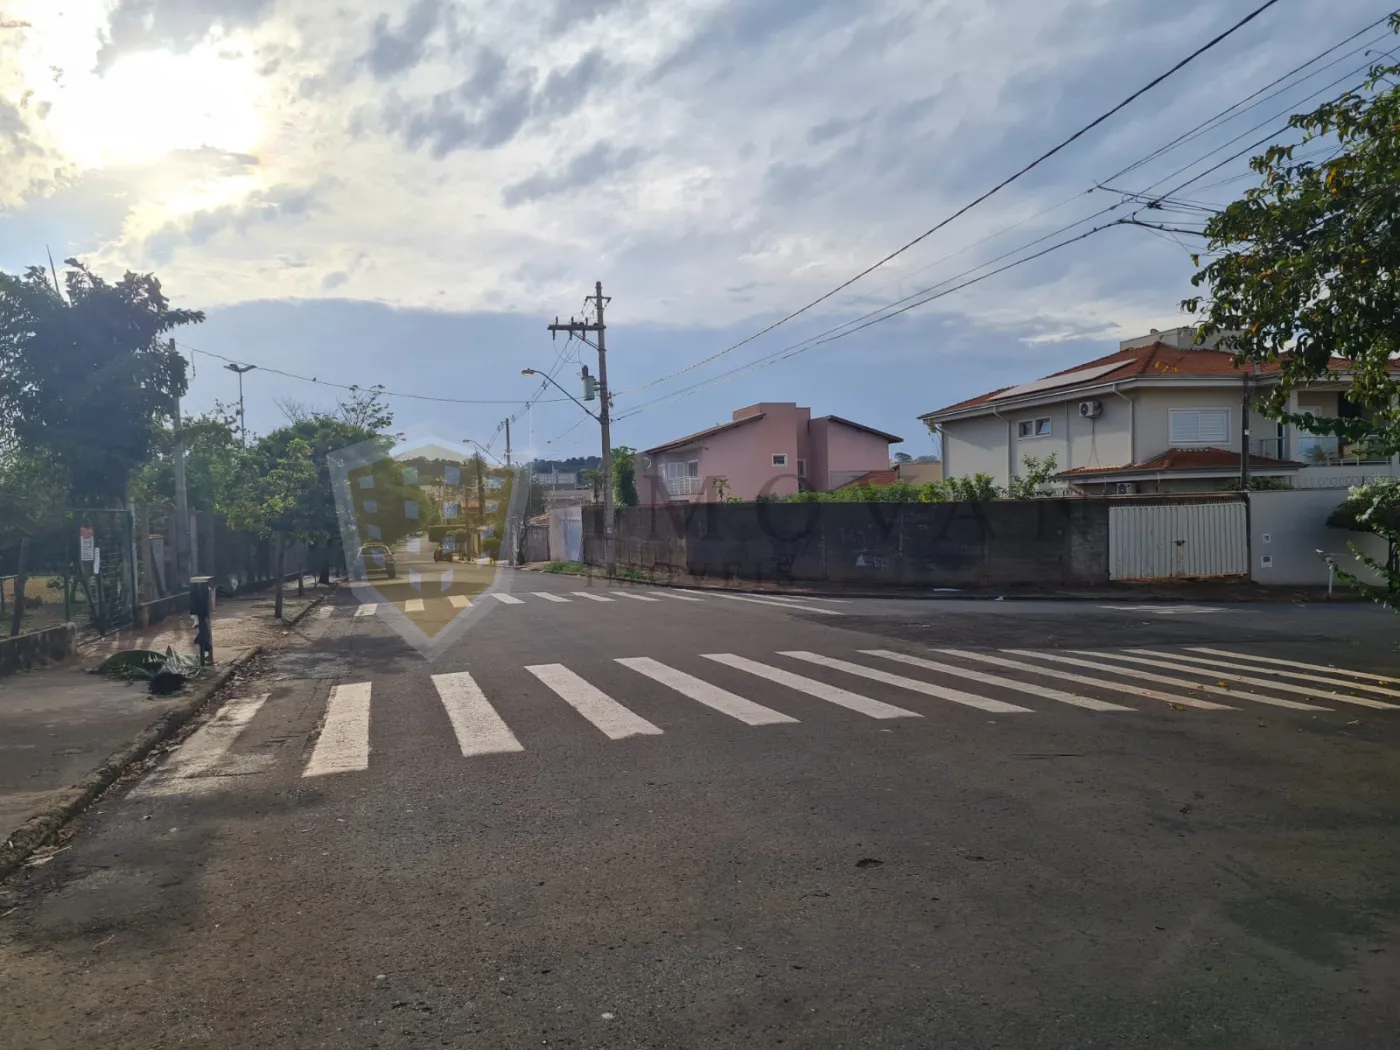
column 314, row 605
column 40, row 828
column 1285, row 597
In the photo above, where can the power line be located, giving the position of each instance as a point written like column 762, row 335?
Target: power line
column 1221, row 117
column 832, row 335
column 355, row 387
column 987, row 194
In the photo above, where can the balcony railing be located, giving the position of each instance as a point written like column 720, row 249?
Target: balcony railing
column 683, row 486
column 1327, row 450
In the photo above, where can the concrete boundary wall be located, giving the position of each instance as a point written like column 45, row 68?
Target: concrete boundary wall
column 1289, row 528
column 1044, row 542
column 37, row 647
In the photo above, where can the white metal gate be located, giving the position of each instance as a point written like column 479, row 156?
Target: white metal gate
column 1191, row 539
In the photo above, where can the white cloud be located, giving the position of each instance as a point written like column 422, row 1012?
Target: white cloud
column 465, row 155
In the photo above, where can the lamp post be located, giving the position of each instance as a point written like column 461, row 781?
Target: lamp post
column 242, row 420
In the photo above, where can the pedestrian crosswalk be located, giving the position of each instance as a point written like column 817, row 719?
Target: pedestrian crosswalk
column 496, row 717
column 447, row 605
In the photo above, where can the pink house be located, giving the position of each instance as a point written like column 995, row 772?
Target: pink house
column 774, row 448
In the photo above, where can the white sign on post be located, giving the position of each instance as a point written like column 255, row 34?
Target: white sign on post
column 85, row 544
column 97, row 561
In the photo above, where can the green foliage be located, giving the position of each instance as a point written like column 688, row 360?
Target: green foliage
column 32, row 497
column 1259, row 485
column 1375, row 508
column 212, row 450
column 86, row 378
column 980, row 488
column 491, row 547
column 721, row 488
column 593, row 478
column 624, row 477
column 1032, row 484
column 1306, row 270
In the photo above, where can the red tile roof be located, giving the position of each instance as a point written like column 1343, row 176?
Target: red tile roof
column 699, row 434
column 1147, row 362
column 1186, row 459
column 874, row 477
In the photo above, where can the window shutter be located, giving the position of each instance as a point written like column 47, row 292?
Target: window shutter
column 1200, row 426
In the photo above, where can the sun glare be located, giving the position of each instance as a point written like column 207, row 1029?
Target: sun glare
column 146, row 105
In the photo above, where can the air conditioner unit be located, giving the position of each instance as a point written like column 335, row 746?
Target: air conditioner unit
column 1125, row 488
column 1091, row 409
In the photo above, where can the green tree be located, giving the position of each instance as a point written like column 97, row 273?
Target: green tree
column 1375, row 508
column 1034, row 483
column 273, row 496
column 593, row 478
column 86, row 377
column 624, row 476
column 31, row 504
column 1307, row 266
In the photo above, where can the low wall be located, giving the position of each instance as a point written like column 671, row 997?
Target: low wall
column 37, row 647
column 1289, row 528
column 1048, row 542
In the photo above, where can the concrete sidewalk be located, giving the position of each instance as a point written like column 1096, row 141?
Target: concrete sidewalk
column 58, row 724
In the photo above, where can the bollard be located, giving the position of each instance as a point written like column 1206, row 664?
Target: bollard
column 202, row 609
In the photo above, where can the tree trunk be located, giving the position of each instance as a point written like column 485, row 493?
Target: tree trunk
column 324, row 576
column 281, row 566
column 21, row 578
column 301, row 574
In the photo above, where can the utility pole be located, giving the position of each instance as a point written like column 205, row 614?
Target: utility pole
column 242, row 421
column 507, row 442
column 580, row 328
column 184, row 567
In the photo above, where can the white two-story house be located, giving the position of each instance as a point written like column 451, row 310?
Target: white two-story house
column 1160, row 415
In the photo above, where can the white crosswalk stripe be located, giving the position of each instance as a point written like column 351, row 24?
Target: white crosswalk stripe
column 774, row 604
column 1379, row 678
column 551, row 597
column 479, row 729
column 507, row 599
column 637, row 597
column 209, row 761
column 1089, row 703
column 1232, row 676
column 368, row 609
column 616, row 722
column 591, row 597
column 325, row 611
column 413, row 605
column 711, row 696
column 205, row 750
column 1070, row 676
column 957, row 696
column 830, row 693
column 680, row 597
column 1299, row 676
column 459, row 601
column 1161, row 679
column 343, row 746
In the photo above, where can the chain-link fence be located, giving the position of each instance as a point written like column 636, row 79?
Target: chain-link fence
column 101, row 566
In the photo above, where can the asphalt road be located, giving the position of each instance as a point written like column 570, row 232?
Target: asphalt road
column 525, row 842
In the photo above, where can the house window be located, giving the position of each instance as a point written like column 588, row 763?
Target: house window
column 682, row 469
column 1199, row 426
column 801, row 468
column 1034, row 427
column 779, row 459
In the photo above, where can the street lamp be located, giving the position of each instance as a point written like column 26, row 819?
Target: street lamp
column 242, row 421
column 551, row 382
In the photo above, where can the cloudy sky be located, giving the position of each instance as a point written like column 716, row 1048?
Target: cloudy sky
column 406, row 193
